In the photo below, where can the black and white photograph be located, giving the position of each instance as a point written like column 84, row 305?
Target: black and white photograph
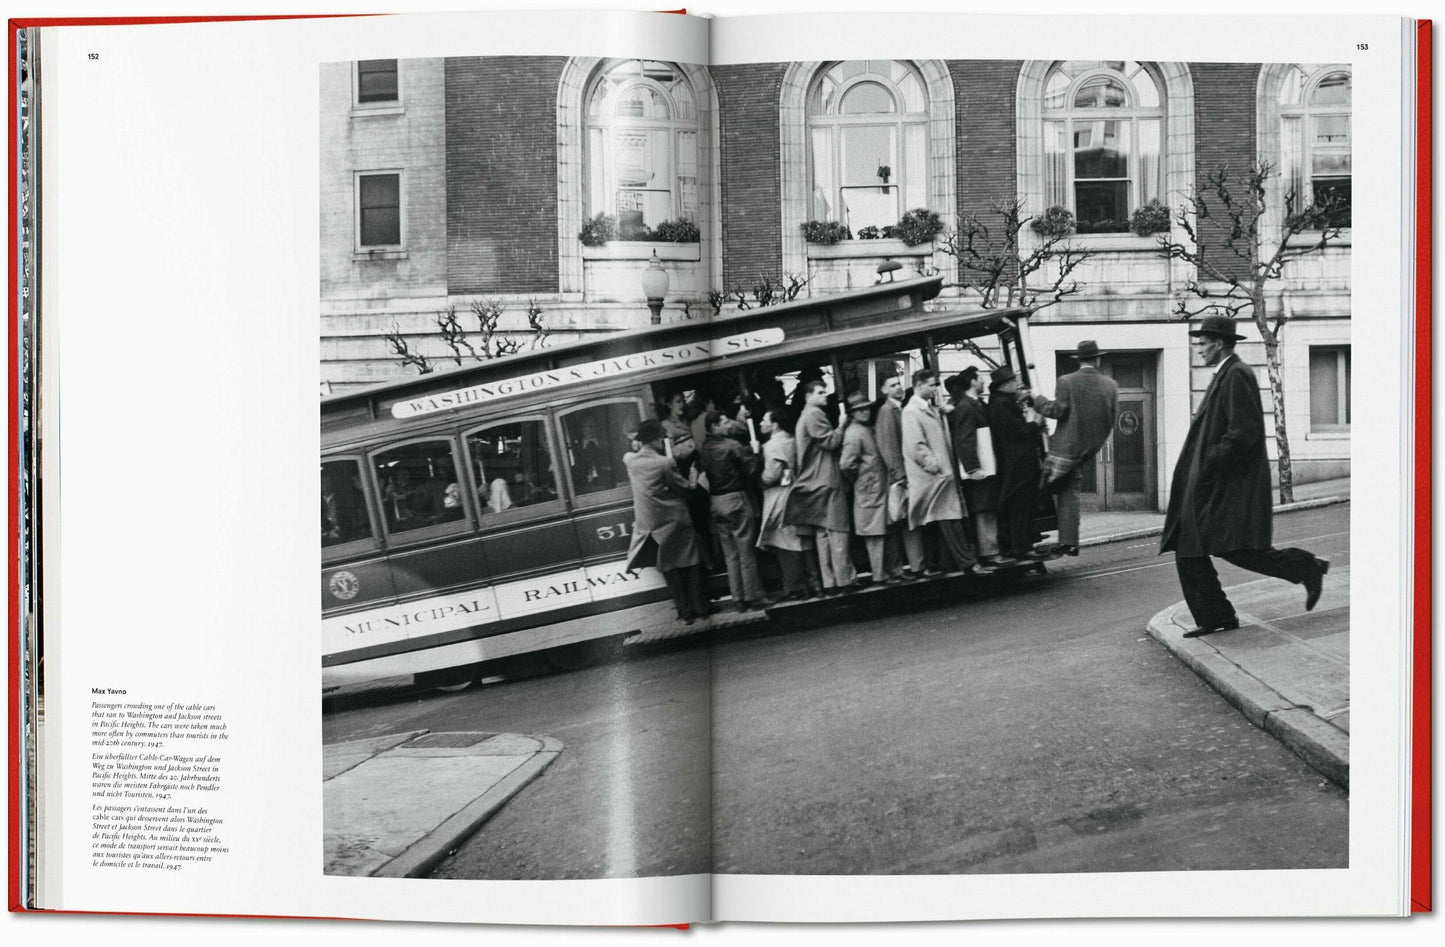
column 857, row 467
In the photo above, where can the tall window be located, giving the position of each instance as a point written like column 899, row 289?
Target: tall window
column 868, row 143
column 1103, row 129
column 642, row 154
column 1314, row 110
column 378, row 210
column 1329, row 388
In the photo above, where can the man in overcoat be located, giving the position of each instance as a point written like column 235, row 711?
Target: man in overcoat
column 662, row 530
column 1219, row 501
column 818, row 498
column 862, row 466
column 933, row 496
column 1085, row 404
column 902, row 538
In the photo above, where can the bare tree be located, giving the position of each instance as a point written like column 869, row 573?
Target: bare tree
column 1236, row 260
column 493, row 342
column 400, row 347
column 766, row 292
column 994, row 264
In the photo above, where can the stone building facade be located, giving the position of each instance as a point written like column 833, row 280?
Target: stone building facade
column 449, row 182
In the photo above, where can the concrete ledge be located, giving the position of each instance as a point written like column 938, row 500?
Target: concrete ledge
column 422, row 855
column 1317, row 742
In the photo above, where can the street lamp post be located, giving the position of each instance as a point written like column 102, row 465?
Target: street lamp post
column 654, row 287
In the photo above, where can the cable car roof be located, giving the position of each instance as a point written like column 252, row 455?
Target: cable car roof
column 887, row 317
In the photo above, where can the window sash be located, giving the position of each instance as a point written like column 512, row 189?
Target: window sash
column 377, row 81
column 379, row 210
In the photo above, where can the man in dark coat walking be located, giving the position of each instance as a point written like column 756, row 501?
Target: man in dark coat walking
column 1219, row 503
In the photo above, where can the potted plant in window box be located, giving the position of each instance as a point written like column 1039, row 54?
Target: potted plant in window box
column 1057, row 221
column 596, row 231
column 1149, row 219
column 826, row 232
column 917, row 227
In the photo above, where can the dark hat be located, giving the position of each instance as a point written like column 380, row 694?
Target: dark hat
column 858, row 400
column 1000, row 375
column 1088, row 349
column 1219, row 327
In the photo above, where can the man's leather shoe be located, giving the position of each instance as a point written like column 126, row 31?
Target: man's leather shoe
column 1203, row 630
column 1315, row 583
column 1067, row 550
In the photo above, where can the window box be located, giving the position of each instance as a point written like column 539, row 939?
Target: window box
column 1116, row 242
column 867, row 249
column 643, row 250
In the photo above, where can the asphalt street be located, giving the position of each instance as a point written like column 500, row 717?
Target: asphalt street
column 1033, row 728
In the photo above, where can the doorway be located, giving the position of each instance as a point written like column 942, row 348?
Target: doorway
column 1123, row 475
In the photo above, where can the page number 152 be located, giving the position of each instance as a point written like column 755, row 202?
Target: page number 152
column 92, row 55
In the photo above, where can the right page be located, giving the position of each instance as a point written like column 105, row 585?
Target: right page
column 1144, row 236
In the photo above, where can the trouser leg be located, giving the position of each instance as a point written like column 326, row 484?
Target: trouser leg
column 843, row 572
column 956, row 543
column 985, row 527
column 825, row 558
column 732, row 557
column 893, row 552
column 1202, row 591
column 1067, row 505
column 875, row 546
column 1292, row 565
column 913, row 546
column 746, row 535
column 685, row 584
column 695, row 582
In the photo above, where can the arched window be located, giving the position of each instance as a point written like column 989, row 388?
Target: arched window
column 868, row 143
column 641, row 145
column 1314, row 156
column 1103, row 130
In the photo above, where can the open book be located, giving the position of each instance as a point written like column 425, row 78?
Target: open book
column 744, row 449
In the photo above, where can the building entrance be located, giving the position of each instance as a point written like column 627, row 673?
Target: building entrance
column 1123, row 475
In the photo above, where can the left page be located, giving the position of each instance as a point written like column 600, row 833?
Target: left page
column 228, row 207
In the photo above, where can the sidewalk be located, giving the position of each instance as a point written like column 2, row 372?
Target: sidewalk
column 395, row 805
column 1098, row 528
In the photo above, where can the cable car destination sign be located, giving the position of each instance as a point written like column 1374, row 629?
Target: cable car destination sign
column 689, row 353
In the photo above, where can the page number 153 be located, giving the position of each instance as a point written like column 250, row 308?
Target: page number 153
column 1362, row 45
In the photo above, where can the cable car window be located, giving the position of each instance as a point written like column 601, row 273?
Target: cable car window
column 511, row 466
column 596, row 439
column 419, row 486
column 343, row 505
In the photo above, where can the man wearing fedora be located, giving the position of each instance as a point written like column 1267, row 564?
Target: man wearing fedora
column 1219, row 503
column 1085, row 404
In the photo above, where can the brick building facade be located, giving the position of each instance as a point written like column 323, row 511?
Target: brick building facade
column 445, row 182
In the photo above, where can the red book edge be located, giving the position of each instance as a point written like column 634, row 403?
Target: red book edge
column 15, row 742
column 1420, row 822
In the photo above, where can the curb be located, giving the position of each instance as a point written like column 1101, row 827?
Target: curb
column 423, row 854
column 1157, row 530
column 1320, row 744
